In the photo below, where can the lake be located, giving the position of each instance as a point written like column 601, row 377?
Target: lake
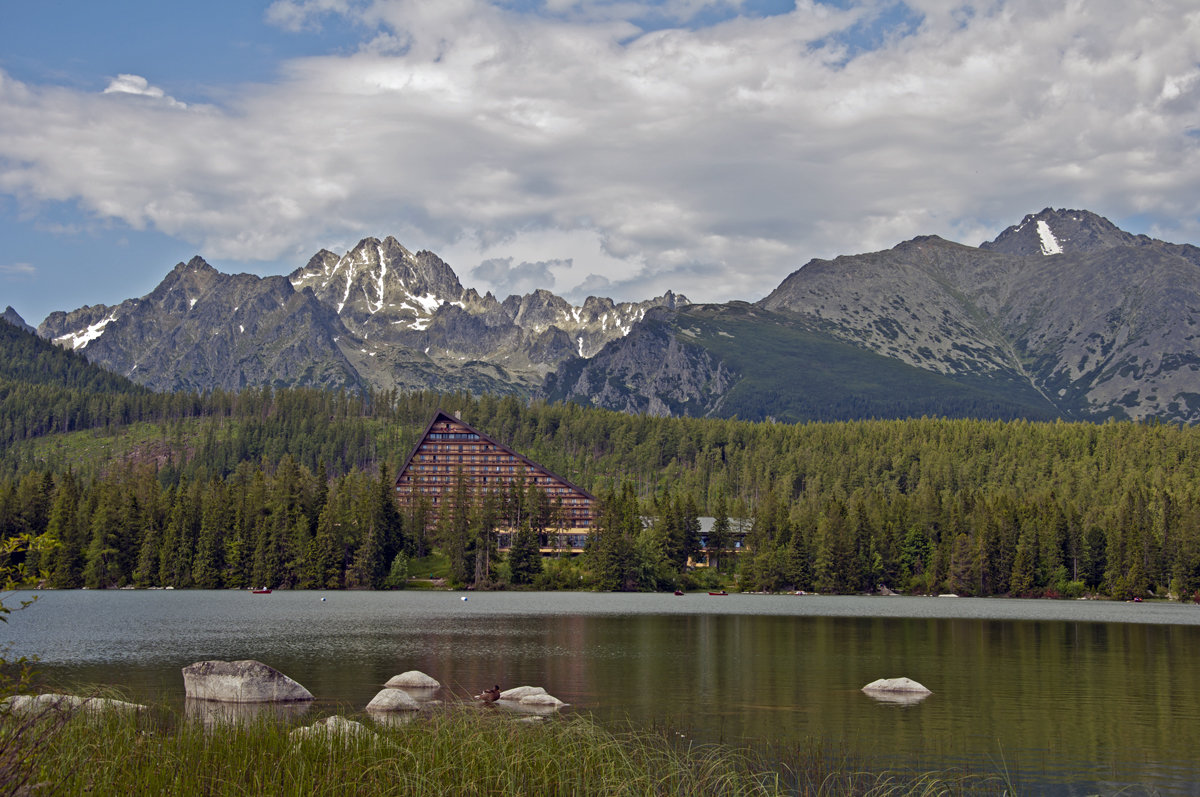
column 1071, row 697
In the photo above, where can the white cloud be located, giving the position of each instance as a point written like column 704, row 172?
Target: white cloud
column 136, row 84
column 17, row 270
column 710, row 161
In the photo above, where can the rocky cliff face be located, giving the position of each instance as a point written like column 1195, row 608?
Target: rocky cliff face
column 651, row 371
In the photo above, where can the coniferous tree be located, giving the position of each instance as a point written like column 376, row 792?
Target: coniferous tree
column 720, row 539
column 102, row 566
column 370, row 568
column 524, row 558
column 214, row 521
column 65, row 527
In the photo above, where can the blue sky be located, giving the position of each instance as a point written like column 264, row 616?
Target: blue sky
column 616, row 148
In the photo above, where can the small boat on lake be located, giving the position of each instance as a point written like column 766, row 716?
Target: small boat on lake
column 679, row 593
column 721, row 593
column 263, row 591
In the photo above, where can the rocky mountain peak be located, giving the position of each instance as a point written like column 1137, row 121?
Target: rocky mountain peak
column 671, row 300
column 196, row 264
column 537, row 310
column 13, row 317
column 184, row 286
column 380, row 278
column 1053, row 232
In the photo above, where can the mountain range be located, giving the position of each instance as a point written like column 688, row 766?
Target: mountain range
column 1063, row 315
column 377, row 316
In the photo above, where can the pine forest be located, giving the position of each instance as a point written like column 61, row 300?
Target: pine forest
column 103, row 484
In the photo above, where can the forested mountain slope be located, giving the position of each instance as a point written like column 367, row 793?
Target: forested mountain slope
column 44, row 389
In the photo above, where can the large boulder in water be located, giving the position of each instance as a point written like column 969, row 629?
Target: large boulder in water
column 394, row 700
column 245, row 681
column 906, row 685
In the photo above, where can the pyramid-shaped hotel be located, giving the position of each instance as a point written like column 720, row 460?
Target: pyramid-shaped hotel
column 450, row 446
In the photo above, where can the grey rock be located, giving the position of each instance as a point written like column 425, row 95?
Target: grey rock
column 414, row 679
column 542, row 700
column 519, row 692
column 530, row 699
column 393, row 700
column 896, row 685
column 245, row 681
column 1068, row 231
column 1106, row 327
column 332, row 729
column 38, row 704
column 201, row 329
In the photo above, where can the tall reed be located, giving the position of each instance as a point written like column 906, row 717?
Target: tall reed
column 456, row 751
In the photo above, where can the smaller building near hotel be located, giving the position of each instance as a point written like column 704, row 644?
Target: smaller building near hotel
column 450, row 447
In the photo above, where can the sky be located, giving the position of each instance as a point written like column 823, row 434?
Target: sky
column 616, row 148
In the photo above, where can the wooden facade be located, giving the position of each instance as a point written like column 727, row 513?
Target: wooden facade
column 450, row 446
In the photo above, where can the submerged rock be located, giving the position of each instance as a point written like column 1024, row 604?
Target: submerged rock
column 530, row 699
column 906, row 685
column 245, row 681
column 36, row 704
column 333, row 728
column 413, row 679
column 541, row 700
column 518, row 692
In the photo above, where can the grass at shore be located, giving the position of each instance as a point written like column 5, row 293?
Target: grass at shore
column 465, row 750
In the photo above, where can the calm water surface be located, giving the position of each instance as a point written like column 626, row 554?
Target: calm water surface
column 1071, row 697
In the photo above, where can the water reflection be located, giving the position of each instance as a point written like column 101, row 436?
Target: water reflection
column 897, row 698
column 215, row 714
column 1072, row 697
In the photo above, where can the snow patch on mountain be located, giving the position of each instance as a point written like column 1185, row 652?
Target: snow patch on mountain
column 80, row 340
column 1050, row 245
